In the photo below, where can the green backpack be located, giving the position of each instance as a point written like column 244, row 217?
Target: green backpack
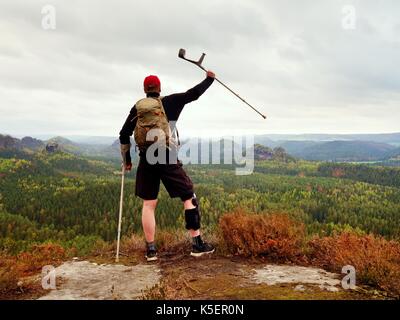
column 151, row 115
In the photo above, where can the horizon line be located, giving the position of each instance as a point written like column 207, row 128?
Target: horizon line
column 37, row 136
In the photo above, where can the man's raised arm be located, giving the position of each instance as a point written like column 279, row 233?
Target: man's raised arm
column 175, row 102
column 194, row 93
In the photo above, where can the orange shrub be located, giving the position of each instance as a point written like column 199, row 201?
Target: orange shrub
column 14, row 268
column 8, row 275
column 38, row 257
column 275, row 235
column 376, row 260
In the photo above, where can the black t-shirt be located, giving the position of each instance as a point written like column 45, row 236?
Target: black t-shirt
column 173, row 106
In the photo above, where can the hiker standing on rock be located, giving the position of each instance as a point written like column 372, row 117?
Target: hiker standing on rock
column 150, row 119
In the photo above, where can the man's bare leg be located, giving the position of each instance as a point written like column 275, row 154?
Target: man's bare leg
column 148, row 219
column 149, row 228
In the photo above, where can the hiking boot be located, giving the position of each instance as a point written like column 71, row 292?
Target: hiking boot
column 151, row 254
column 204, row 248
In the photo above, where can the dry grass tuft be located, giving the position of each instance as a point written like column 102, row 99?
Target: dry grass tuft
column 13, row 268
column 376, row 260
column 275, row 235
column 281, row 239
column 39, row 256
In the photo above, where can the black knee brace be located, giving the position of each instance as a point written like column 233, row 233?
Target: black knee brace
column 192, row 216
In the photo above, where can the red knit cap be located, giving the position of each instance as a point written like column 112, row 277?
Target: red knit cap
column 152, row 83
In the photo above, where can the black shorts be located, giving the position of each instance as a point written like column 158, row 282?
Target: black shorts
column 174, row 178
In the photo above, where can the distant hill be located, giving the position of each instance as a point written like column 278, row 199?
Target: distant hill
column 338, row 150
column 109, row 151
column 11, row 147
column 336, row 147
column 266, row 153
column 62, row 140
column 318, row 147
column 65, row 144
column 8, row 142
column 390, row 138
column 32, row 143
column 93, row 140
column 297, row 147
column 393, row 154
column 27, row 143
column 272, row 140
column 345, row 151
column 265, row 141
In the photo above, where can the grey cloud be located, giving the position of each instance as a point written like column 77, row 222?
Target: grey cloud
column 284, row 56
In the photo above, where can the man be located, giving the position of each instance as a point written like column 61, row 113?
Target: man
column 152, row 113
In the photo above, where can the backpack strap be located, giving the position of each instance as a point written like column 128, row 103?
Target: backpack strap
column 177, row 136
column 176, row 128
column 162, row 107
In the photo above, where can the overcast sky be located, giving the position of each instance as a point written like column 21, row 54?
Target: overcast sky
column 308, row 65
